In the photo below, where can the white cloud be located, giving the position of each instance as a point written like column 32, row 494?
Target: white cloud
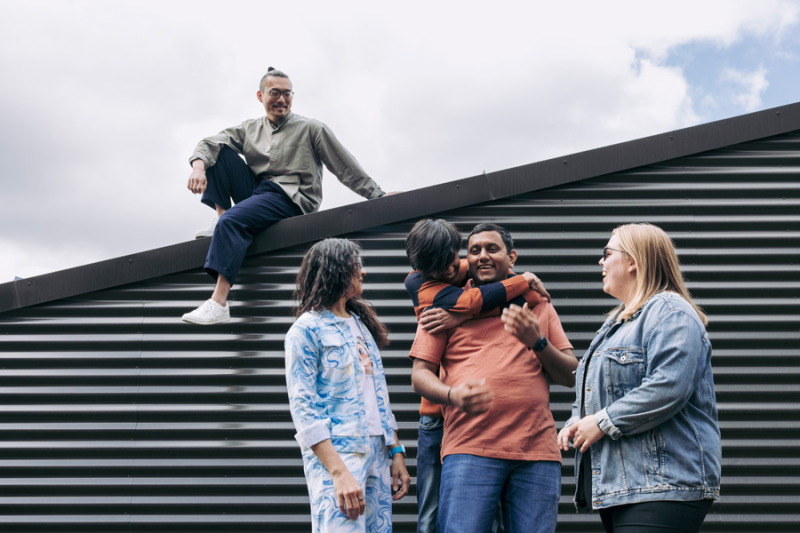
column 657, row 28
column 749, row 86
column 102, row 102
column 26, row 259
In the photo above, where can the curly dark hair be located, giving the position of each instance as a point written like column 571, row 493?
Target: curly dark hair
column 326, row 275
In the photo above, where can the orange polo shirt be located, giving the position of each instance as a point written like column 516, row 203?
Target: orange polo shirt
column 427, row 293
column 519, row 426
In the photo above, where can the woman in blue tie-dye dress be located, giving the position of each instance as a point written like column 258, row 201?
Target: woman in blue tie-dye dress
column 338, row 396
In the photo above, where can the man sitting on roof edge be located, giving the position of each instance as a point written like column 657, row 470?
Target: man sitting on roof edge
column 281, row 178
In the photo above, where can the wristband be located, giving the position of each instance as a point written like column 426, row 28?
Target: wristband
column 397, row 449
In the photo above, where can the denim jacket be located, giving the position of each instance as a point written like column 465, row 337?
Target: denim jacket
column 650, row 386
column 325, row 384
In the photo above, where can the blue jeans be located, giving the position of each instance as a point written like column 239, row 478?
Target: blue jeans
column 259, row 204
column 429, row 471
column 472, row 486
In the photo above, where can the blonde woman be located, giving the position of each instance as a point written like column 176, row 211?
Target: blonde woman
column 644, row 423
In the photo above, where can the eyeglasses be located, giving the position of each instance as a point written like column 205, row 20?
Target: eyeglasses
column 275, row 93
column 606, row 249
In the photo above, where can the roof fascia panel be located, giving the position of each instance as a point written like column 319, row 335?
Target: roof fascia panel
column 644, row 151
column 411, row 204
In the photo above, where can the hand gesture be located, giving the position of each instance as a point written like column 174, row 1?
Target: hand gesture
column 522, row 323
column 435, row 319
column 473, row 397
column 349, row 495
column 197, row 180
column 586, row 433
column 536, row 284
column 566, row 435
column 401, row 481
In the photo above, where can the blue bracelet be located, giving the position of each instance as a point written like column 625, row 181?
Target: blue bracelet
column 396, row 450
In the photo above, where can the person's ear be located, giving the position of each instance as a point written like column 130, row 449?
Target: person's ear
column 260, row 96
column 512, row 258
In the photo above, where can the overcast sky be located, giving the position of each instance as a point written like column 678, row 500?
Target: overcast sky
column 101, row 103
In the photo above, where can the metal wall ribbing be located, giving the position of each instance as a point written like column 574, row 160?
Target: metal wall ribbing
column 116, row 416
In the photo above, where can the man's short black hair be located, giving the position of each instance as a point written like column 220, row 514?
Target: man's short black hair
column 507, row 240
column 431, row 246
column 271, row 71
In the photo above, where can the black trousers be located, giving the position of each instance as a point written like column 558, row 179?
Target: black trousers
column 656, row 517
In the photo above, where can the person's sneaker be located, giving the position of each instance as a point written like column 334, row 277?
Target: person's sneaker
column 207, row 232
column 208, row 313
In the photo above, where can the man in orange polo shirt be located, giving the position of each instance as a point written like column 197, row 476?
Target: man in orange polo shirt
column 499, row 434
column 440, row 302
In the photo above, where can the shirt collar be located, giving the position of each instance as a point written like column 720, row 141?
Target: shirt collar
column 276, row 127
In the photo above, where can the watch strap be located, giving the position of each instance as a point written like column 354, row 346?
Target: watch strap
column 540, row 345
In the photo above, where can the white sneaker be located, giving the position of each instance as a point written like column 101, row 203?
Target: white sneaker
column 209, row 313
column 208, row 232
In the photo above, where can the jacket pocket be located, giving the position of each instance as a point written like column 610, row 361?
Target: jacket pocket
column 625, row 368
column 336, row 362
column 653, row 455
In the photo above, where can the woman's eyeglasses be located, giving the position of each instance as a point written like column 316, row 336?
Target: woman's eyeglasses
column 606, row 249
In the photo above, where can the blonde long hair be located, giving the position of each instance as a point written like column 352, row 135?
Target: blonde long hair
column 657, row 266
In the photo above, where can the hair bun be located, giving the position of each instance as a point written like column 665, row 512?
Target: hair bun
column 270, row 69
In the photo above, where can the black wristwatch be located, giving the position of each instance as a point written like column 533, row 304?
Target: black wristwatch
column 540, row 345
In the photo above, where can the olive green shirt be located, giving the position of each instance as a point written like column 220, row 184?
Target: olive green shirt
column 291, row 154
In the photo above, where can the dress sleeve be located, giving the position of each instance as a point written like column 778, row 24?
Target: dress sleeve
column 302, row 355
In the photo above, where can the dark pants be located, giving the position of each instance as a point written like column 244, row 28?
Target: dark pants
column 656, row 517
column 429, row 471
column 259, row 204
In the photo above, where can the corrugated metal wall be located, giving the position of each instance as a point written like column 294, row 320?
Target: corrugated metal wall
column 115, row 416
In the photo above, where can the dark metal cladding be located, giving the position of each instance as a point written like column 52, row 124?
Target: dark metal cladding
column 418, row 203
column 116, row 416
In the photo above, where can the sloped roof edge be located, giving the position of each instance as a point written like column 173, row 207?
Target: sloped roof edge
column 411, row 204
